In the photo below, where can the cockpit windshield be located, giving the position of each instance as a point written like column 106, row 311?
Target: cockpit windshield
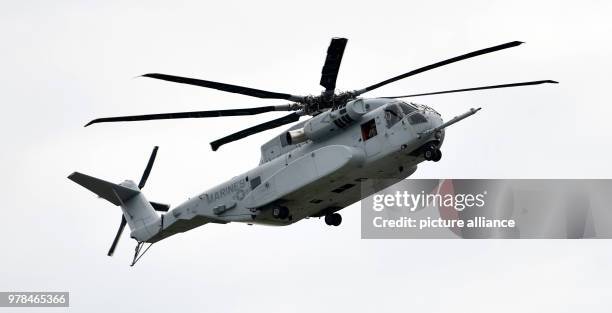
column 406, row 108
column 392, row 114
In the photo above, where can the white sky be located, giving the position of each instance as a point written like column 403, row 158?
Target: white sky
column 67, row 62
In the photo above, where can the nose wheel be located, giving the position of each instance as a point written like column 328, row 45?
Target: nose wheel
column 333, row 219
column 432, row 153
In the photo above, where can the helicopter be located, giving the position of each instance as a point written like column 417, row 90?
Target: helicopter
column 313, row 169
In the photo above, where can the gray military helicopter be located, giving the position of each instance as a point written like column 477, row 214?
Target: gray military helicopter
column 313, row 169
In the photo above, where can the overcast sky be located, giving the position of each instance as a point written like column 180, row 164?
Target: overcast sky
column 67, row 62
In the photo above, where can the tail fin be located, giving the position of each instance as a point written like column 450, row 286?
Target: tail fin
column 139, row 213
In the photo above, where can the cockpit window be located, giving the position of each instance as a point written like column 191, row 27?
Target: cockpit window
column 392, row 115
column 417, row 118
column 406, row 108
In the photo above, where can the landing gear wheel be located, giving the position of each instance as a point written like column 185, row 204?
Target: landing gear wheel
column 432, row 153
column 437, row 155
column 337, row 219
column 333, row 219
column 428, row 154
column 328, row 219
column 280, row 212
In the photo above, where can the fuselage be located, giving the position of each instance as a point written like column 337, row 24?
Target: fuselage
column 318, row 177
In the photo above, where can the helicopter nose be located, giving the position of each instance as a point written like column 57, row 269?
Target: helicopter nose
column 433, row 117
column 436, row 120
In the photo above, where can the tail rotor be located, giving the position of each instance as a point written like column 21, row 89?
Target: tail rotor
column 143, row 181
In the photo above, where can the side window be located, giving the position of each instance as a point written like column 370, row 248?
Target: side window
column 392, row 115
column 368, row 129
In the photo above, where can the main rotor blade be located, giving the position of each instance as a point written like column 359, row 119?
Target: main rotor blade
column 329, row 74
column 226, row 87
column 255, row 129
column 537, row 82
column 147, row 171
column 117, row 237
column 195, row 114
column 441, row 63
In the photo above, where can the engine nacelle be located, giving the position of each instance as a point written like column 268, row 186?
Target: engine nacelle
column 329, row 123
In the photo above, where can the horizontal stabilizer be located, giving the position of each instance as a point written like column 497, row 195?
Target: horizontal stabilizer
column 114, row 193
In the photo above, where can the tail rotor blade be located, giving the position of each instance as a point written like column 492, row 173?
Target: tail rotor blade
column 117, row 236
column 293, row 117
column 439, row 64
column 329, row 74
column 479, row 88
column 147, row 170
